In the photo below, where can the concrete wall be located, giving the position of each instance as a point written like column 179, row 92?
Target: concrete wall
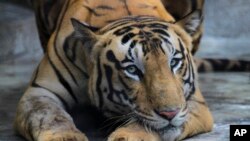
column 227, row 18
column 18, row 34
column 227, row 29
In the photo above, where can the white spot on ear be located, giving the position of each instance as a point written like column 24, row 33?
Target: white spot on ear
column 192, row 26
column 191, row 22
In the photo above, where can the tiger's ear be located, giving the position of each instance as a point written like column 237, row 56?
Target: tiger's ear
column 191, row 22
column 85, row 34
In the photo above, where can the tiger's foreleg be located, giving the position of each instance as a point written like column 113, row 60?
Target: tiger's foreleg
column 41, row 113
column 41, row 117
column 133, row 132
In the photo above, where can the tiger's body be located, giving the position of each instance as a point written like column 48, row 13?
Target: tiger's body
column 126, row 57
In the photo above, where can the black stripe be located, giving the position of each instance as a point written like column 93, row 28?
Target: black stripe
column 130, row 53
column 123, row 30
column 191, row 71
column 182, row 49
column 124, row 84
column 105, row 7
column 62, row 80
column 161, row 32
column 158, row 25
column 72, row 58
column 41, row 122
column 65, row 104
column 73, row 50
column 145, row 47
column 35, row 75
column 93, row 11
column 30, row 129
column 98, row 83
column 126, row 6
column 55, row 47
column 147, row 6
column 194, row 5
column 126, row 60
column 127, row 37
column 47, row 9
column 134, row 20
column 133, row 43
column 165, row 40
column 64, row 64
column 119, row 23
column 115, row 24
column 111, row 57
column 156, row 44
column 112, row 92
column 191, row 63
column 43, row 32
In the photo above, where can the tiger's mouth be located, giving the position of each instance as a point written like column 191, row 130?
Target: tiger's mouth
column 154, row 122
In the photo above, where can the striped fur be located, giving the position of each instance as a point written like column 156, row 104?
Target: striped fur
column 180, row 9
column 137, row 63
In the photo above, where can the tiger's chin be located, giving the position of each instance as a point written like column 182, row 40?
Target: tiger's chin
column 169, row 133
column 168, row 130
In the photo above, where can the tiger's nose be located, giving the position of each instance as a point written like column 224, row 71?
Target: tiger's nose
column 168, row 114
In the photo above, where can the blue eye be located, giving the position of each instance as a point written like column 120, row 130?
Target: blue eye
column 173, row 62
column 133, row 72
column 131, row 69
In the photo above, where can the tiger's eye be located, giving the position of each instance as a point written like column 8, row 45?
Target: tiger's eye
column 131, row 69
column 173, row 62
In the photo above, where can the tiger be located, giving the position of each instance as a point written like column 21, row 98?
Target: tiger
column 129, row 58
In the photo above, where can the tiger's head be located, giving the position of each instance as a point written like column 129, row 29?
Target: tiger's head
column 142, row 67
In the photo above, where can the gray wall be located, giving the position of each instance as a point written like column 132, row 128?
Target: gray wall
column 227, row 29
column 18, row 35
column 227, row 18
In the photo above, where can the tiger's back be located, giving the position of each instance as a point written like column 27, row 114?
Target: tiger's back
column 99, row 13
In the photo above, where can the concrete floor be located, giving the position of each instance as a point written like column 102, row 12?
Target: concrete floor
column 227, row 94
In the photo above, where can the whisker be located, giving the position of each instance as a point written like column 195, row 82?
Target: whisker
column 117, row 120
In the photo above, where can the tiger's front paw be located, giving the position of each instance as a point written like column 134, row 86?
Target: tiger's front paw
column 133, row 134
column 62, row 136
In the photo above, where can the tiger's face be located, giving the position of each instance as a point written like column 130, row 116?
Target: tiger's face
column 142, row 68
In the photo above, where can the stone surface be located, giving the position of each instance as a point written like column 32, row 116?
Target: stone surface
column 226, row 36
column 18, row 34
column 227, row 18
column 228, row 97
